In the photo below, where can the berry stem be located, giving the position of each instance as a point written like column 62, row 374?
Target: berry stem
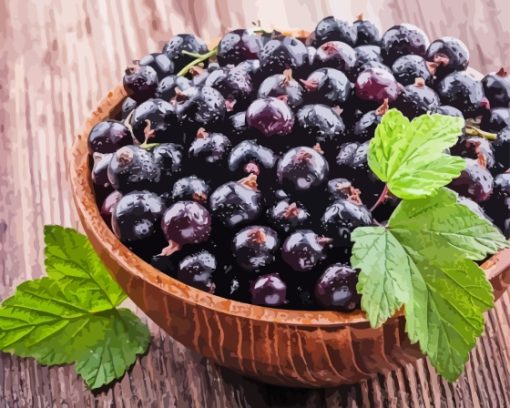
column 198, row 60
column 191, row 54
column 474, row 131
column 381, row 199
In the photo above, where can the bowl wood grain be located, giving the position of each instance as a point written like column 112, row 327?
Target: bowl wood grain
column 285, row 347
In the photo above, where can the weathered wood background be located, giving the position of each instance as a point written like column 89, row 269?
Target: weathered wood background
column 58, row 57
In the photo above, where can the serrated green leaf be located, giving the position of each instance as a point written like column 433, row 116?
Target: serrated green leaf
column 386, row 279
column 443, row 218
column 40, row 321
column 409, row 156
column 70, row 316
column 71, row 260
column 423, row 260
column 125, row 337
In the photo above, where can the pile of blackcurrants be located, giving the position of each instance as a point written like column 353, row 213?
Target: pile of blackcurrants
column 242, row 170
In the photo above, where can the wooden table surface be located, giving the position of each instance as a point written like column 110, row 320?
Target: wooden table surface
column 59, row 58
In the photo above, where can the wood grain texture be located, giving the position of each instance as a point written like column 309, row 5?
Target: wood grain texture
column 59, row 58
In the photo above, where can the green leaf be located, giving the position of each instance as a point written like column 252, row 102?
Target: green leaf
column 423, row 260
column 443, row 218
column 409, row 156
column 125, row 336
column 70, row 316
column 71, row 260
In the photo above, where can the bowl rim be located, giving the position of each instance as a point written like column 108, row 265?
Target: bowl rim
column 92, row 221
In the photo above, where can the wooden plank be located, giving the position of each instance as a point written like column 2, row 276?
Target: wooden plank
column 59, row 58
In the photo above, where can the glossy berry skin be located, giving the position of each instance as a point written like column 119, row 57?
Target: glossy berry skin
column 268, row 290
column 108, row 136
column 338, row 55
column 501, row 148
column 127, row 107
column 197, row 269
column 364, row 55
column 376, row 85
column 254, row 247
column 416, row 99
column 201, row 107
column 302, row 168
column 448, row 110
column 237, row 125
column 169, row 158
column 352, row 159
column 186, row 222
column 108, row 205
column 140, row 82
column 339, row 188
column 332, row 29
column 320, row 124
column 282, row 86
column 166, row 87
column 303, row 250
column 99, row 171
column 183, row 42
column 328, row 86
column 342, row 217
column 160, row 63
column 460, row 90
column 450, row 53
column 496, row 87
column 252, row 67
column 235, row 204
column 136, row 216
column 237, row 46
column 475, row 182
column 162, row 117
column 284, row 53
column 496, row 120
column 367, row 32
column 209, row 149
column 474, row 148
column 286, row 216
column 502, row 186
column 270, row 116
column 401, row 40
column 250, row 152
column 364, row 128
column 336, row 288
column 190, row 188
column 133, row 168
column 409, row 67
column 234, row 83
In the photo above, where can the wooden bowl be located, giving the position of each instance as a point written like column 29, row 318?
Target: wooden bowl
column 285, row 347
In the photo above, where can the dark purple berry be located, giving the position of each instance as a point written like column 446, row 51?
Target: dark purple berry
column 336, row 288
column 497, row 88
column 320, row 124
column 154, row 121
column 416, row 99
column 160, row 63
column 190, row 188
column 167, row 86
column 338, row 55
column 496, row 120
column 474, row 182
column 168, row 157
column 286, row 216
column 197, row 269
column 285, row 53
column 254, row 247
column 108, row 205
column 302, row 168
column 270, row 116
column 127, row 107
column 282, row 86
column 327, row 85
column 133, row 168
column 200, row 107
column 376, row 85
column 474, row 148
column 367, row 32
column 108, row 136
column 332, row 29
column 401, row 40
column 234, row 83
column 183, row 42
column 449, row 111
column 268, row 290
column 185, row 222
column 237, row 46
column 250, row 157
column 237, row 203
column 136, row 216
column 140, row 82
column 408, row 68
column 303, row 250
column 209, row 149
column 450, row 53
column 99, row 172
